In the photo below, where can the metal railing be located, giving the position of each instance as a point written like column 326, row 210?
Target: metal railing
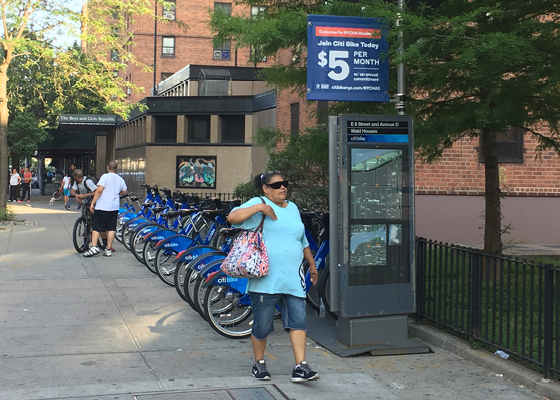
column 507, row 303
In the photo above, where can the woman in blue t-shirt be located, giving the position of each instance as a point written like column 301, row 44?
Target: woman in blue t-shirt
column 284, row 285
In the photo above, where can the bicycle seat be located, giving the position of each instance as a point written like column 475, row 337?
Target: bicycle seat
column 186, row 212
column 147, row 204
column 230, row 232
column 158, row 209
column 211, row 214
column 134, row 198
column 170, row 214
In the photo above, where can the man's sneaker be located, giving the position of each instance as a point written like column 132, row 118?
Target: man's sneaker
column 67, row 206
column 107, row 253
column 259, row 371
column 19, row 201
column 93, row 251
column 302, row 373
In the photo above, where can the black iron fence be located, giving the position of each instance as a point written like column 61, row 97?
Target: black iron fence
column 507, row 303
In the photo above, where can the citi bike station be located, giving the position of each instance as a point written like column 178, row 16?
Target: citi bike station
column 371, row 161
column 372, row 236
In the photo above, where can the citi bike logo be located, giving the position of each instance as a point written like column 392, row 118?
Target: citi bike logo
column 357, row 138
column 227, row 279
column 171, row 244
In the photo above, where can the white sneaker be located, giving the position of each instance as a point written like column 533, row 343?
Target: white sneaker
column 108, row 253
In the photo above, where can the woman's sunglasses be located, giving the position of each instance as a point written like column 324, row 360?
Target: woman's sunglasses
column 278, row 185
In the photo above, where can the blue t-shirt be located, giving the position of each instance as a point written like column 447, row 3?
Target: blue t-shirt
column 285, row 241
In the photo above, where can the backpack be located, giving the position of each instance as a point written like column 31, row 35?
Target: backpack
column 91, row 178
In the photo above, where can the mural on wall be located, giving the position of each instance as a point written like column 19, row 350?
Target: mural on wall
column 196, row 172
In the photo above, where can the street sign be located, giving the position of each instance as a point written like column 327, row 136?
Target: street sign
column 347, row 59
column 87, row 119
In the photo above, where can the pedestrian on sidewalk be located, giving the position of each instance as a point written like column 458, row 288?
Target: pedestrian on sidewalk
column 105, row 206
column 15, row 179
column 286, row 245
column 65, row 185
column 26, row 187
column 71, row 170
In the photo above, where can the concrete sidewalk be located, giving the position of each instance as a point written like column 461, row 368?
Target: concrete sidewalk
column 107, row 328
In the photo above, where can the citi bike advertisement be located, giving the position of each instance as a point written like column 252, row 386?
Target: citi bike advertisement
column 347, row 59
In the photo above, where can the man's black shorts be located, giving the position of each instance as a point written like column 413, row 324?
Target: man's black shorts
column 105, row 220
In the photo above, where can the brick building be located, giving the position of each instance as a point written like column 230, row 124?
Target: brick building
column 183, row 38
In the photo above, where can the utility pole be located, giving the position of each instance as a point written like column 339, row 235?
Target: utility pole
column 155, row 47
column 400, row 98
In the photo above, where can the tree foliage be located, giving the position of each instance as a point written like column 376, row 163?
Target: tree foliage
column 473, row 69
column 303, row 162
column 49, row 79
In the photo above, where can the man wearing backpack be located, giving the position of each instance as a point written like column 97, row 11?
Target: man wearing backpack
column 105, row 206
column 83, row 187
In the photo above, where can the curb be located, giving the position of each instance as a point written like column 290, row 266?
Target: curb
column 509, row 369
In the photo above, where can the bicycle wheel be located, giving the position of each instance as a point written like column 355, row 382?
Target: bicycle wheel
column 225, row 314
column 58, row 195
column 199, row 291
column 325, row 292
column 149, row 253
column 127, row 237
column 193, row 270
column 181, row 271
column 218, row 239
column 312, row 298
column 80, row 235
column 165, row 268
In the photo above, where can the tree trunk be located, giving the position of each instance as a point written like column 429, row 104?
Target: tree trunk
column 16, row 162
column 3, row 136
column 493, row 212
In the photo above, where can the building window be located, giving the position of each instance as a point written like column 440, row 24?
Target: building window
column 168, row 47
column 166, row 129
column 254, row 54
column 115, row 74
column 294, row 118
column 169, row 10
column 257, row 11
column 322, row 112
column 115, row 55
column 222, row 51
column 510, row 146
column 199, row 129
column 225, row 7
column 233, row 129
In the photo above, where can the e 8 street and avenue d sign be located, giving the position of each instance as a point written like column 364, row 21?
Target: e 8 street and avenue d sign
column 87, row 119
column 347, row 59
column 377, row 131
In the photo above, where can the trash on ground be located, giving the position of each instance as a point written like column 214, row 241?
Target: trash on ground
column 502, row 354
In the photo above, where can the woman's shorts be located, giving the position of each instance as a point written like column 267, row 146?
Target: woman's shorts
column 291, row 307
column 66, row 192
column 105, row 220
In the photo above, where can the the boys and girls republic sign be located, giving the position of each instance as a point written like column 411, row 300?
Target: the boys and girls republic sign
column 347, row 59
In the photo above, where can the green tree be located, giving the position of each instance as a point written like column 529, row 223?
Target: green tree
column 28, row 30
column 473, row 69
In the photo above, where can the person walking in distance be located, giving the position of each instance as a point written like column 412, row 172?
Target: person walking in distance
column 65, row 185
column 286, row 245
column 26, row 187
column 15, row 179
column 105, row 206
column 71, row 170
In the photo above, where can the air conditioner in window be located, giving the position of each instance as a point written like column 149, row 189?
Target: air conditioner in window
column 169, row 16
column 128, row 91
column 217, row 54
